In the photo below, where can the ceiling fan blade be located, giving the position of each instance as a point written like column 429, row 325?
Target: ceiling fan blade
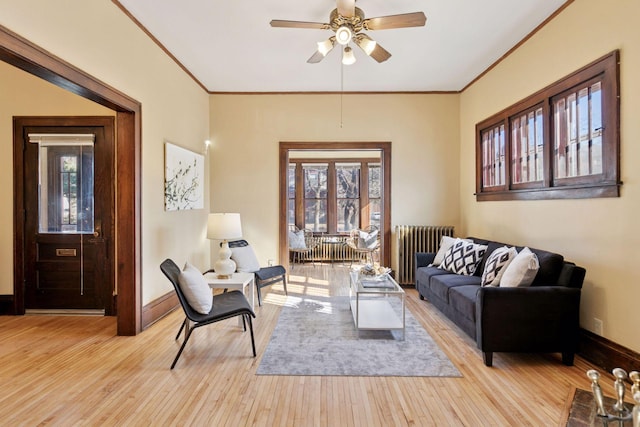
column 415, row 19
column 380, row 54
column 346, row 8
column 299, row 24
column 316, row 57
column 372, row 48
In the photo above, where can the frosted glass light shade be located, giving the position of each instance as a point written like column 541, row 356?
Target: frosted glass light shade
column 348, row 57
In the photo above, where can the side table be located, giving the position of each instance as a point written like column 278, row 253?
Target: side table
column 239, row 281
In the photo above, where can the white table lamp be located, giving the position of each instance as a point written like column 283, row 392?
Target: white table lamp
column 224, row 226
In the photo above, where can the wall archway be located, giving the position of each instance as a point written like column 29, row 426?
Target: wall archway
column 29, row 57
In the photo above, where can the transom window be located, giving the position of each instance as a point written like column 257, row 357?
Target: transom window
column 562, row 142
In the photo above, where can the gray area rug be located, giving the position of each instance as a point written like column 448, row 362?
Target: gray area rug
column 317, row 336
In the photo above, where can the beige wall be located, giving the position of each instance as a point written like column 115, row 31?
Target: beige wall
column 101, row 40
column 600, row 234
column 246, row 131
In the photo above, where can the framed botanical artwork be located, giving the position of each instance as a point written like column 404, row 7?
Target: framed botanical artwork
column 183, row 178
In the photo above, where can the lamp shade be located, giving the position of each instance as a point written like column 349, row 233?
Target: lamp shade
column 224, row 226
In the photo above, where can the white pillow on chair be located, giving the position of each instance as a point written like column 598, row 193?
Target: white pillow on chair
column 296, row 240
column 245, row 259
column 195, row 289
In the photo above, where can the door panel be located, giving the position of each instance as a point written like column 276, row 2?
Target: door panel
column 67, row 261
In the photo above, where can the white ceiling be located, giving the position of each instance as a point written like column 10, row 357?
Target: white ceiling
column 229, row 45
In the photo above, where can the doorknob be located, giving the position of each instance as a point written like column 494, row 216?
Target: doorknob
column 97, row 229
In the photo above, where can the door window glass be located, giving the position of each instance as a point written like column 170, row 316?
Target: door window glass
column 65, row 183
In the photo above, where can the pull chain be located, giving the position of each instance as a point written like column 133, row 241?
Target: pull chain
column 341, row 92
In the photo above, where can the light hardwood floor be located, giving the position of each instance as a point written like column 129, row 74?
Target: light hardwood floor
column 71, row 370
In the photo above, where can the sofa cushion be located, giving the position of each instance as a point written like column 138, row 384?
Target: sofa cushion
column 550, row 267
column 463, row 300
column 521, row 271
column 424, row 274
column 463, row 257
column 441, row 285
column 497, row 264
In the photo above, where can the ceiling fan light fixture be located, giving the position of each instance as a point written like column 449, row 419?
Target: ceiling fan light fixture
column 325, row 47
column 348, row 57
column 344, row 35
column 367, row 44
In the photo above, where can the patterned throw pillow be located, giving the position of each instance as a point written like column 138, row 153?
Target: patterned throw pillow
column 497, row 264
column 463, row 257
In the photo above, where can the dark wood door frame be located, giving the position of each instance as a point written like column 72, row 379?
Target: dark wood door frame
column 385, row 159
column 29, row 57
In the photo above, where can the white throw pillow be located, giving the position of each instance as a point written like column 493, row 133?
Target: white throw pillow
column 296, row 240
column 445, row 243
column 245, row 259
column 496, row 265
column 463, row 257
column 195, row 289
column 521, row 271
column 367, row 240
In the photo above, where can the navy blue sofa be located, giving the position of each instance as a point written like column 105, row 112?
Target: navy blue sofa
column 541, row 318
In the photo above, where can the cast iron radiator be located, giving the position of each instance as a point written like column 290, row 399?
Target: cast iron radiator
column 416, row 238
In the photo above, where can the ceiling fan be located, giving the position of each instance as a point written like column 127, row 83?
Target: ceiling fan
column 347, row 22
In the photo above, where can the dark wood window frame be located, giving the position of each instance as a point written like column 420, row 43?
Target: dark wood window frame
column 605, row 184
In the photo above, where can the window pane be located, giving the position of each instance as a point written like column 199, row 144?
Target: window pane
column 291, row 214
column 315, row 215
column 315, row 181
column 375, row 183
column 374, row 212
column 527, row 140
column 578, row 133
column 347, row 180
column 493, row 167
column 348, row 214
column 596, row 128
column 66, row 190
column 292, row 181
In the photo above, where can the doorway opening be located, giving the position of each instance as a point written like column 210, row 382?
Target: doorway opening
column 23, row 54
column 366, row 165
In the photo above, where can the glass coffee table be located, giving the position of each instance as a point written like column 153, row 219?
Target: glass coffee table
column 377, row 303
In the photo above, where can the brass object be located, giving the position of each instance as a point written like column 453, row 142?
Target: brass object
column 65, row 252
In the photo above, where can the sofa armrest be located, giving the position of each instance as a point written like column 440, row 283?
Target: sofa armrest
column 534, row 319
column 422, row 259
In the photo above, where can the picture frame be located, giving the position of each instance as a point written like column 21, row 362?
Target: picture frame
column 183, row 178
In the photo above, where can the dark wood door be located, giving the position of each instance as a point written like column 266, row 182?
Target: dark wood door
column 68, row 204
